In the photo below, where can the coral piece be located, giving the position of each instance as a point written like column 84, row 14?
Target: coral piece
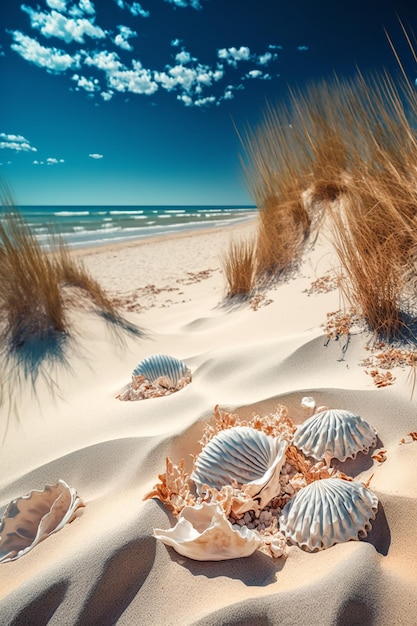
column 29, row 519
column 167, row 369
column 327, row 512
column 203, row 533
column 174, row 488
column 334, row 433
column 242, row 456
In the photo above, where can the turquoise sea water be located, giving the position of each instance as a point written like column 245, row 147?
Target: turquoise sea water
column 83, row 226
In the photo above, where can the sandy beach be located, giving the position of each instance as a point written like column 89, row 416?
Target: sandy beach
column 106, row 567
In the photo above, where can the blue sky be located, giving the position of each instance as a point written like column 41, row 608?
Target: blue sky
column 121, row 102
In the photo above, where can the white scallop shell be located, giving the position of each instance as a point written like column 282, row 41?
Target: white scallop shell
column 334, row 433
column 328, row 511
column 243, row 455
column 30, row 519
column 162, row 366
column 203, row 533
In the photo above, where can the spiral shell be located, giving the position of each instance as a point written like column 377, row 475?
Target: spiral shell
column 203, row 533
column 243, row 455
column 327, row 512
column 334, row 433
column 30, row 519
column 162, row 366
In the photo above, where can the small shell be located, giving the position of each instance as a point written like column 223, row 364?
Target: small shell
column 243, row 455
column 328, row 511
column 30, row 519
column 203, row 533
column 334, row 433
column 308, row 403
column 167, row 368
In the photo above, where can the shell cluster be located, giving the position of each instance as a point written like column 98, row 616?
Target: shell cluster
column 29, row 519
column 157, row 375
column 244, row 467
column 162, row 366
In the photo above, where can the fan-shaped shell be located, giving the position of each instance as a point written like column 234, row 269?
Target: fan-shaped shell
column 30, row 519
column 334, row 433
column 328, row 511
column 162, row 366
column 243, row 455
column 203, row 533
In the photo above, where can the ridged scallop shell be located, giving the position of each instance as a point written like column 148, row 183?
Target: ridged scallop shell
column 334, row 433
column 243, row 455
column 328, row 511
column 162, row 366
column 203, row 533
column 29, row 519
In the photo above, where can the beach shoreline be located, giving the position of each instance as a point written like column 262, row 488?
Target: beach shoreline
column 106, row 567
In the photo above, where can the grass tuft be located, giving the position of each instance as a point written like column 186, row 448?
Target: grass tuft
column 33, row 299
column 239, row 268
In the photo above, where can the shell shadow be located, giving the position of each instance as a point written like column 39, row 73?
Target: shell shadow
column 257, row 570
column 41, row 609
column 380, row 535
column 362, row 462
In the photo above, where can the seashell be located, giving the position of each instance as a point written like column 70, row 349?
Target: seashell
column 328, row 511
column 203, row 533
column 245, row 456
column 161, row 366
column 30, row 519
column 308, row 403
column 334, row 433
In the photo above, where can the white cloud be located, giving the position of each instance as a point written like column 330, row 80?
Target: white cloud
column 195, row 4
column 53, row 161
column 176, row 42
column 257, row 74
column 121, row 39
column 52, row 59
column 87, row 6
column 136, row 80
column 96, row 156
column 18, row 143
column 106, row 95
column 302, row 48
column 104, row 60
column 59, row 5
column 184, row 57
column 135, row 8
column 54, row 24
column 233, row 55
column 89, row 84
column 264, row 59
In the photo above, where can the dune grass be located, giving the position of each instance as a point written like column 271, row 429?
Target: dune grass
column 34, row 296
column 344, row 151
column 239, row 268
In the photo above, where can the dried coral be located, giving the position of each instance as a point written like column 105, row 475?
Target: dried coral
column 141, row 389
column 174, row 488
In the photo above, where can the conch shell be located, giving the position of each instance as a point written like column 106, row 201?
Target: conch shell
column 28, row 520
column 203, row 533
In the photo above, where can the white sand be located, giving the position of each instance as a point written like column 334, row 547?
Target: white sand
column 106, row 567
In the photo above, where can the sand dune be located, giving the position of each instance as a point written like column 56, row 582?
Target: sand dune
column 106, row 567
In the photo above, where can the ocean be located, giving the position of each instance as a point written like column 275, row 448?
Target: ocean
column 85, row 226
